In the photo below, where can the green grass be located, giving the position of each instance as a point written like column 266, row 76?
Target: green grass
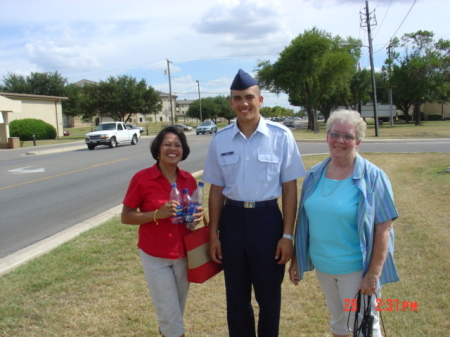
column 94, row 285
column 400, row 130
column 434, row 129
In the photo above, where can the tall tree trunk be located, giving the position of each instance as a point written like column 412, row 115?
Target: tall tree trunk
column 310, row 118
column 417, row 113
column 316, row 123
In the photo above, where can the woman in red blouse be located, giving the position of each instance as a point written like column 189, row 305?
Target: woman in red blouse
column 160, row 243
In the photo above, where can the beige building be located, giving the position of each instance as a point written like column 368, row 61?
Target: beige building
column 182, row 108
column 20, row 106
column 436, row 108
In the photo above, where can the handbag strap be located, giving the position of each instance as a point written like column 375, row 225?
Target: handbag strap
column 363, row 306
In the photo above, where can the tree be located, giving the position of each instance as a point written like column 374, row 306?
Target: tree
column 15, row 84
column 212, row 108
column 309, row 69
column 360, row 88
column 225, row 111
column 120, row 98
column 73, row 106
column 421, row 74
column 49, row 84
column 276, row 111
column 194, row 110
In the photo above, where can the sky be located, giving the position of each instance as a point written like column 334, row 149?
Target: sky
column 196, row 40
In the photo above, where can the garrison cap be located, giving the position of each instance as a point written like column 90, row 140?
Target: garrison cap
column 242, row 81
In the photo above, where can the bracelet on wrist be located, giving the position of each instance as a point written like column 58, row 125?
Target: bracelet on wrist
column 154, row 216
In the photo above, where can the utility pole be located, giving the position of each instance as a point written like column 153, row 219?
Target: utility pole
column 172, row 117
column 372, row 68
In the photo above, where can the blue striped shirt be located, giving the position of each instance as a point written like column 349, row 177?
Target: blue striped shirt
column 376, row 205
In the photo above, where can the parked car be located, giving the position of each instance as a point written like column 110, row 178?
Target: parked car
column 132, row 126
column 207, row 126
column 66, row 133
column 183, row 127
column 289, row 122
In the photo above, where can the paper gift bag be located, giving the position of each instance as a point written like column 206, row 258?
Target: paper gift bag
column 200, row 266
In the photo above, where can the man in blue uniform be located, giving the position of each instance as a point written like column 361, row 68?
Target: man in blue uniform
column 251, row 163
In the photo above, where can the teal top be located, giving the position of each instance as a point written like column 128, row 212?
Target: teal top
column 333, row 231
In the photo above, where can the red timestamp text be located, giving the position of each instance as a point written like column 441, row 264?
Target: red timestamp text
column 396, row 305
column 350, row 304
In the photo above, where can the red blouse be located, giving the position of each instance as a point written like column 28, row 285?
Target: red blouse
column 148, row 191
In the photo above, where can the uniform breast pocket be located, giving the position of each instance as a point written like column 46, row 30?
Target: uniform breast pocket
column 229, row 166
column 269, row 165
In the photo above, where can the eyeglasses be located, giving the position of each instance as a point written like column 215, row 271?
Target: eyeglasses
column 345, row 136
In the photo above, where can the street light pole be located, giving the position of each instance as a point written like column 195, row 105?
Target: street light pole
column 172, row 117
column 200, row 100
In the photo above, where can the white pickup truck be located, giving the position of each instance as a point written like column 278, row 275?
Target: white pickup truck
column 112, row 134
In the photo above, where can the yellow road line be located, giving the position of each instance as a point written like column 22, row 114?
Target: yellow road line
column 65, row 173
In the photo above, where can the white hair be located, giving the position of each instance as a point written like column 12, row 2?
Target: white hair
column 351, row 117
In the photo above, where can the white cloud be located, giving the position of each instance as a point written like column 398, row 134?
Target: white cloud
column 50, row 56
column 246, row 27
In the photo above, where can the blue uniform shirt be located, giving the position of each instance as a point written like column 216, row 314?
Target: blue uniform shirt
column 253, row 169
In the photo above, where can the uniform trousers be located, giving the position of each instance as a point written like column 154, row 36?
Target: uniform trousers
column 249, row 237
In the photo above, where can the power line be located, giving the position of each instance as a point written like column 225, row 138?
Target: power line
column 398, row 27
column 382, row 21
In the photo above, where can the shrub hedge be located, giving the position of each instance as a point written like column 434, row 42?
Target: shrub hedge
column 24, row 128
column 435, row 117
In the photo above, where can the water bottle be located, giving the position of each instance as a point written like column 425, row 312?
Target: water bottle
column 196, row 200
column 186, row 200
column 175, row 195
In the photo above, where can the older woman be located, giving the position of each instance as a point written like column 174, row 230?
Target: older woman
column 344, row 227
column 160, row 243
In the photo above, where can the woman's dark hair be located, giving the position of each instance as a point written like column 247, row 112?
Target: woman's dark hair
column 156, row 144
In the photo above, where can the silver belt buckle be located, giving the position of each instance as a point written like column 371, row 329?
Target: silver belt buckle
column 249, row 204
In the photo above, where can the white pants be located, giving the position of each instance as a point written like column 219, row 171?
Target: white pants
column 339, row 291
column 168, row 286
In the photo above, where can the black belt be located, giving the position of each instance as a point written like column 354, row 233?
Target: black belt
column 251, row 204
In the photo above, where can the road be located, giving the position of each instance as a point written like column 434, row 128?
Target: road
column 44, row 194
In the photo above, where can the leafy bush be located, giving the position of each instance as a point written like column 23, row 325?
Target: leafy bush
column 435, row 117
column 24, row 128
